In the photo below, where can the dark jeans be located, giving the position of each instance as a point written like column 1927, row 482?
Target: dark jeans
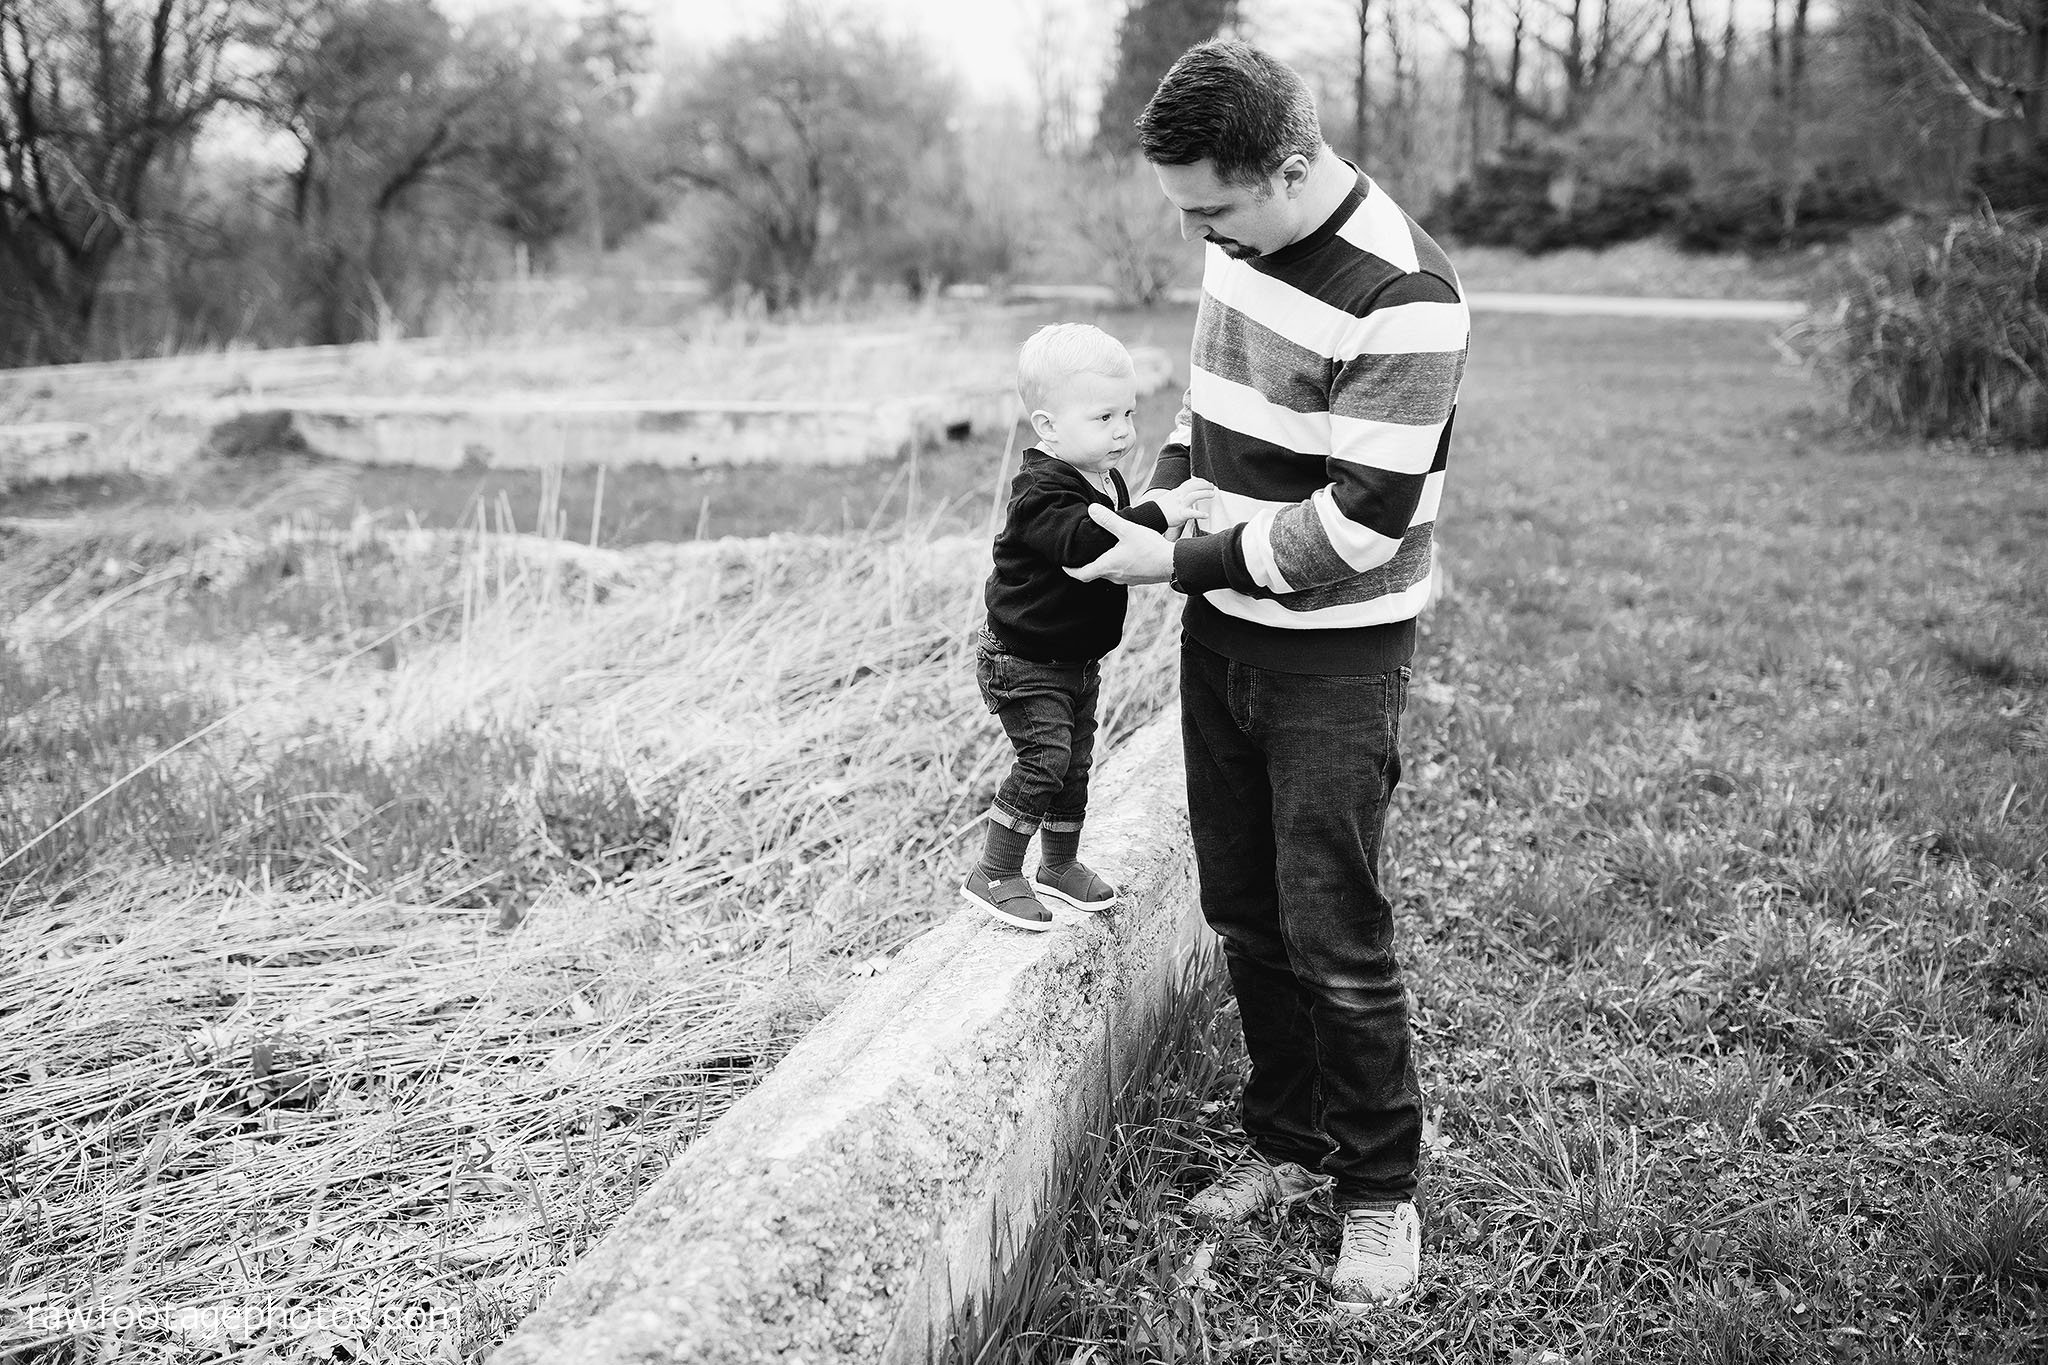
column 1289, row 776
column 1048, row 711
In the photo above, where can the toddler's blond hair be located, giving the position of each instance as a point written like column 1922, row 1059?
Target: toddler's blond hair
column 1061, row 350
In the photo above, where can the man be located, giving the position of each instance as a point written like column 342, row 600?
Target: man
column 1328, row 350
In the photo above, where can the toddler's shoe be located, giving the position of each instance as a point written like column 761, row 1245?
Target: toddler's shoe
column 1075, row 885
column 1009, row 900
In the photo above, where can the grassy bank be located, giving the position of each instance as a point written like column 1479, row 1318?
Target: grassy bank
column 337, row 1032
column 1723, row 862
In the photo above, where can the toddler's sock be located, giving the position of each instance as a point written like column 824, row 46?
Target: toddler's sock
column 1058, row 848
column 1002, row 852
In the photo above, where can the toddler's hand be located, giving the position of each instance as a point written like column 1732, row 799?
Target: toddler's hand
column 1186, row 501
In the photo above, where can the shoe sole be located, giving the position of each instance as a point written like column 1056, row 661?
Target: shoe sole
column 1086, row 907
column 996, row 911
column 1372, row 1305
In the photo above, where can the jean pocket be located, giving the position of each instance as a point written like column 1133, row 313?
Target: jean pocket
column 989, row 676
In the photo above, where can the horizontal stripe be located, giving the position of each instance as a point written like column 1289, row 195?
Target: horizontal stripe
column 1314, row 544
column 1367, row 610
column 1245, row 352
column 1335, row 273
column 1234, row 509
column 1245, row 411
column 1418, row 390
column 1379, row 503
column 1385, row 445
column 1236, row 463
column 1331, row 332
column 1381, row 228
column 1281, row 309
column 1414, row 327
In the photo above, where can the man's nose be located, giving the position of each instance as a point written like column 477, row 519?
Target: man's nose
column 1189, row 230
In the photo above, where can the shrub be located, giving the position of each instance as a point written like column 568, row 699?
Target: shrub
column 1510, row 201
column 1747, row 211
column 1941, row 329
column 1505, row 203
column 2013, row 183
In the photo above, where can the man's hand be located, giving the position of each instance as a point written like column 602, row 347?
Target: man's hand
column 1141, row 555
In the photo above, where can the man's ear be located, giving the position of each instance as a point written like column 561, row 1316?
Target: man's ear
column 1294, row 174
column 1042, row 423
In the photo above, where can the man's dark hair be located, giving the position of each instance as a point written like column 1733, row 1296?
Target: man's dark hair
column 1229, row 102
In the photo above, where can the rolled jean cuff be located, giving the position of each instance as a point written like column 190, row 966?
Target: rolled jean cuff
column 1010, row 819
column 1061, row 824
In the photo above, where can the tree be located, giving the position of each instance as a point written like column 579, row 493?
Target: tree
column 96, row 98
column 1152, row 34
column 813, row 142
column 1985, row 58
column 411, row 134
column 1051, row 54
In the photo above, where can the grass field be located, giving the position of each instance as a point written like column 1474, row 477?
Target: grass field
column 1722, row 855
column 1721, row 851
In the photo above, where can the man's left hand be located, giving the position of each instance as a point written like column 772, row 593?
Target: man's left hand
column 1141, row 554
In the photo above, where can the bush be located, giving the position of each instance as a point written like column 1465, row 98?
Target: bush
column 2014, row 183
column 1505, row 203
column 1509, row 201
column 1747, row 212
column 1941, row 329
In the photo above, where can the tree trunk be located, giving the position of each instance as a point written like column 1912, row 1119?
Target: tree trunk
column 1513, row 112
column 1361, row 87
column 1470, row 94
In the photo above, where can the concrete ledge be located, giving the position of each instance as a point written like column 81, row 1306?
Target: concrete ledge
column 524, row 431
column 32, row 452
column 843, row 1210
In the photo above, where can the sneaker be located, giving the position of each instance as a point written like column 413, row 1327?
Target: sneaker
column 1381, row 1255
column 1009, row 900
column 1250, row 1187
column 1076, row 885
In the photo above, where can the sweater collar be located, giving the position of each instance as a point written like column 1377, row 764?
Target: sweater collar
column 1328, row 228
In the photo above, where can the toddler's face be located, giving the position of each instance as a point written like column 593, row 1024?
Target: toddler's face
column 1093, row 419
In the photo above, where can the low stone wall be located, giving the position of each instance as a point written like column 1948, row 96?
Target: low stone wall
column 36, row 452
column 843, row 1210
column 521, row 432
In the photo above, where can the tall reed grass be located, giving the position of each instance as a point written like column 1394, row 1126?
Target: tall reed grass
column 1940, row 329
column 418, row 969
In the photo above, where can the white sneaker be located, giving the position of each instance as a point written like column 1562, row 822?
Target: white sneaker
column 1251, row 1187
column 1381, row 1256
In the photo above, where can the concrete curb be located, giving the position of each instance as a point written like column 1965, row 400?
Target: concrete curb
column 846, row 1208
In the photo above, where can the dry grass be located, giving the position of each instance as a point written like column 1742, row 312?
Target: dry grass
column 279, row 1096
column 1941, row 330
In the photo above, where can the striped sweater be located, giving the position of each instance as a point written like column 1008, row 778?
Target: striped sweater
column 1324, row 380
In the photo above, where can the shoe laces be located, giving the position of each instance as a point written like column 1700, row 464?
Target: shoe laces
column 1245, row 1178
column 1373, row 1227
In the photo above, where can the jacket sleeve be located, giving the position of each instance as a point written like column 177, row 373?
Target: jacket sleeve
column 1052, row 517
column 1390, row 406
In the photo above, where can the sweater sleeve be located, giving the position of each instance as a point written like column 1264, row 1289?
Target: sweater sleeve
column 1390, row 407
column 1173, row 465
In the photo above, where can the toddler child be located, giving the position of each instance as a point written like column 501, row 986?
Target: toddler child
column 1038, row 658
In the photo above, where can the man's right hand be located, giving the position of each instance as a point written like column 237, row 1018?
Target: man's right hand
column 1141, row 554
